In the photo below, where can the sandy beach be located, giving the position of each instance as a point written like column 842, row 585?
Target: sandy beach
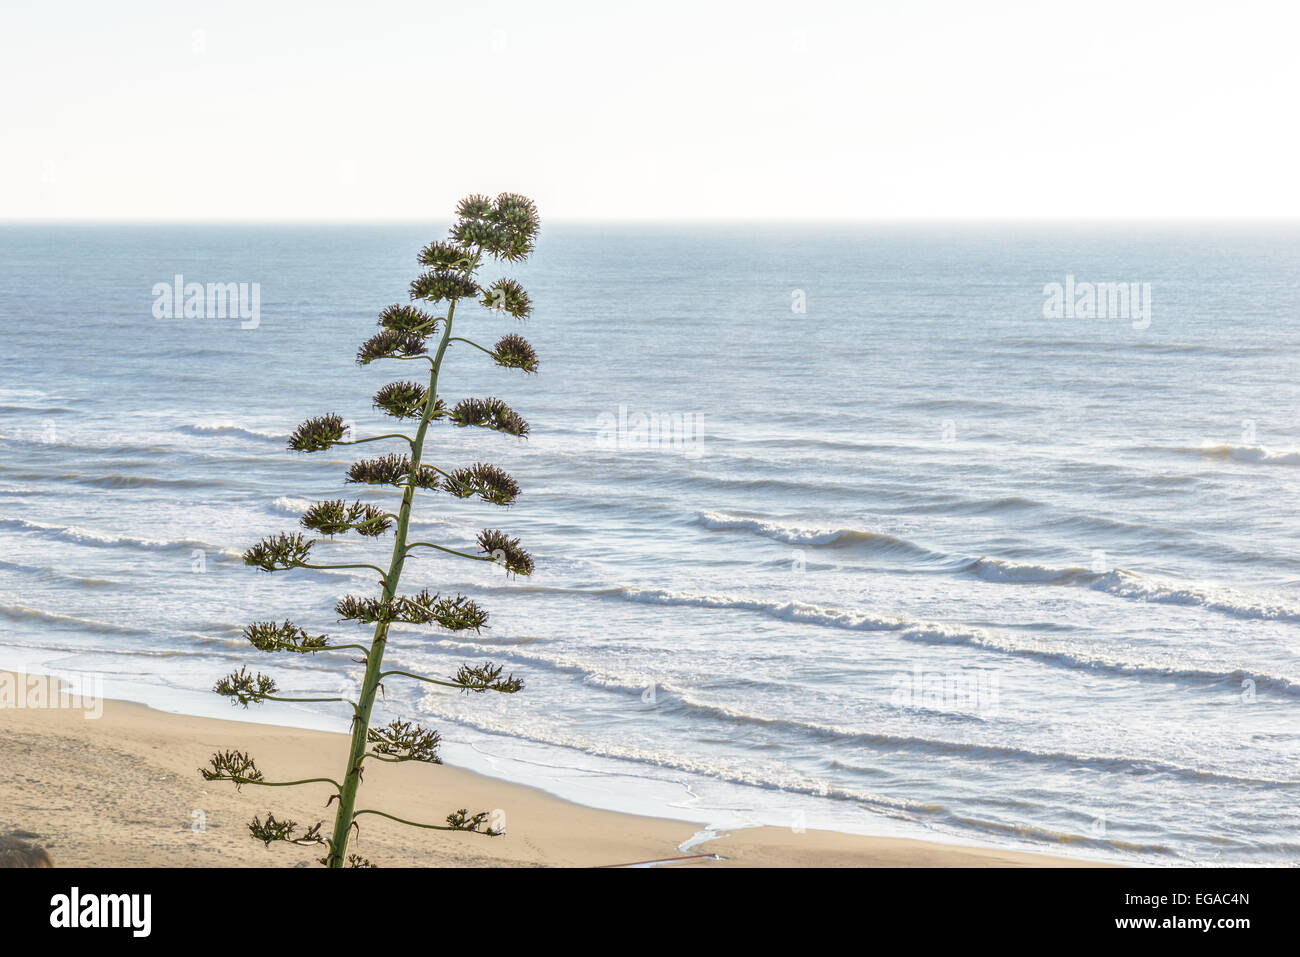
column 123, row 789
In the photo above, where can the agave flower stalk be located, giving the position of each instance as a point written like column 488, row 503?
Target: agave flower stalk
column 504, row 228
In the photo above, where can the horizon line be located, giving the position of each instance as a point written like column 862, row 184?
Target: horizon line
column 656, row 221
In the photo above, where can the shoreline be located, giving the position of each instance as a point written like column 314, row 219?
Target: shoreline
column 123, row 789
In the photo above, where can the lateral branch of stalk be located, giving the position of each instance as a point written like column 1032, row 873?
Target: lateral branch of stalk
column 375, row 438
column 430, row 827
column 449, row 551
column 458, row 685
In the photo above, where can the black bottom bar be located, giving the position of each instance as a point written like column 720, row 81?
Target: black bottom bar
column 926, row 906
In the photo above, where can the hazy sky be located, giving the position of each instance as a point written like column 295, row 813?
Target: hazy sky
column 806, row 110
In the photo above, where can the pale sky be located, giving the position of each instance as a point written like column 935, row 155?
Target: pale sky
column 670, row 110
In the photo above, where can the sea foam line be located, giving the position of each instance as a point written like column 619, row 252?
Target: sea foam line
column 231, row 428
column 1119, row 582
column 1258, row 454
column 85, row 536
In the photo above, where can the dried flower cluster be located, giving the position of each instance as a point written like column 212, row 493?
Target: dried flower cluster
column 268, row 636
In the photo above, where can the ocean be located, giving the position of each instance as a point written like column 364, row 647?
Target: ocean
column 836, row 526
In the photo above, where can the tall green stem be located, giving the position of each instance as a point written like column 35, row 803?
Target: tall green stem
column 375, row 657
